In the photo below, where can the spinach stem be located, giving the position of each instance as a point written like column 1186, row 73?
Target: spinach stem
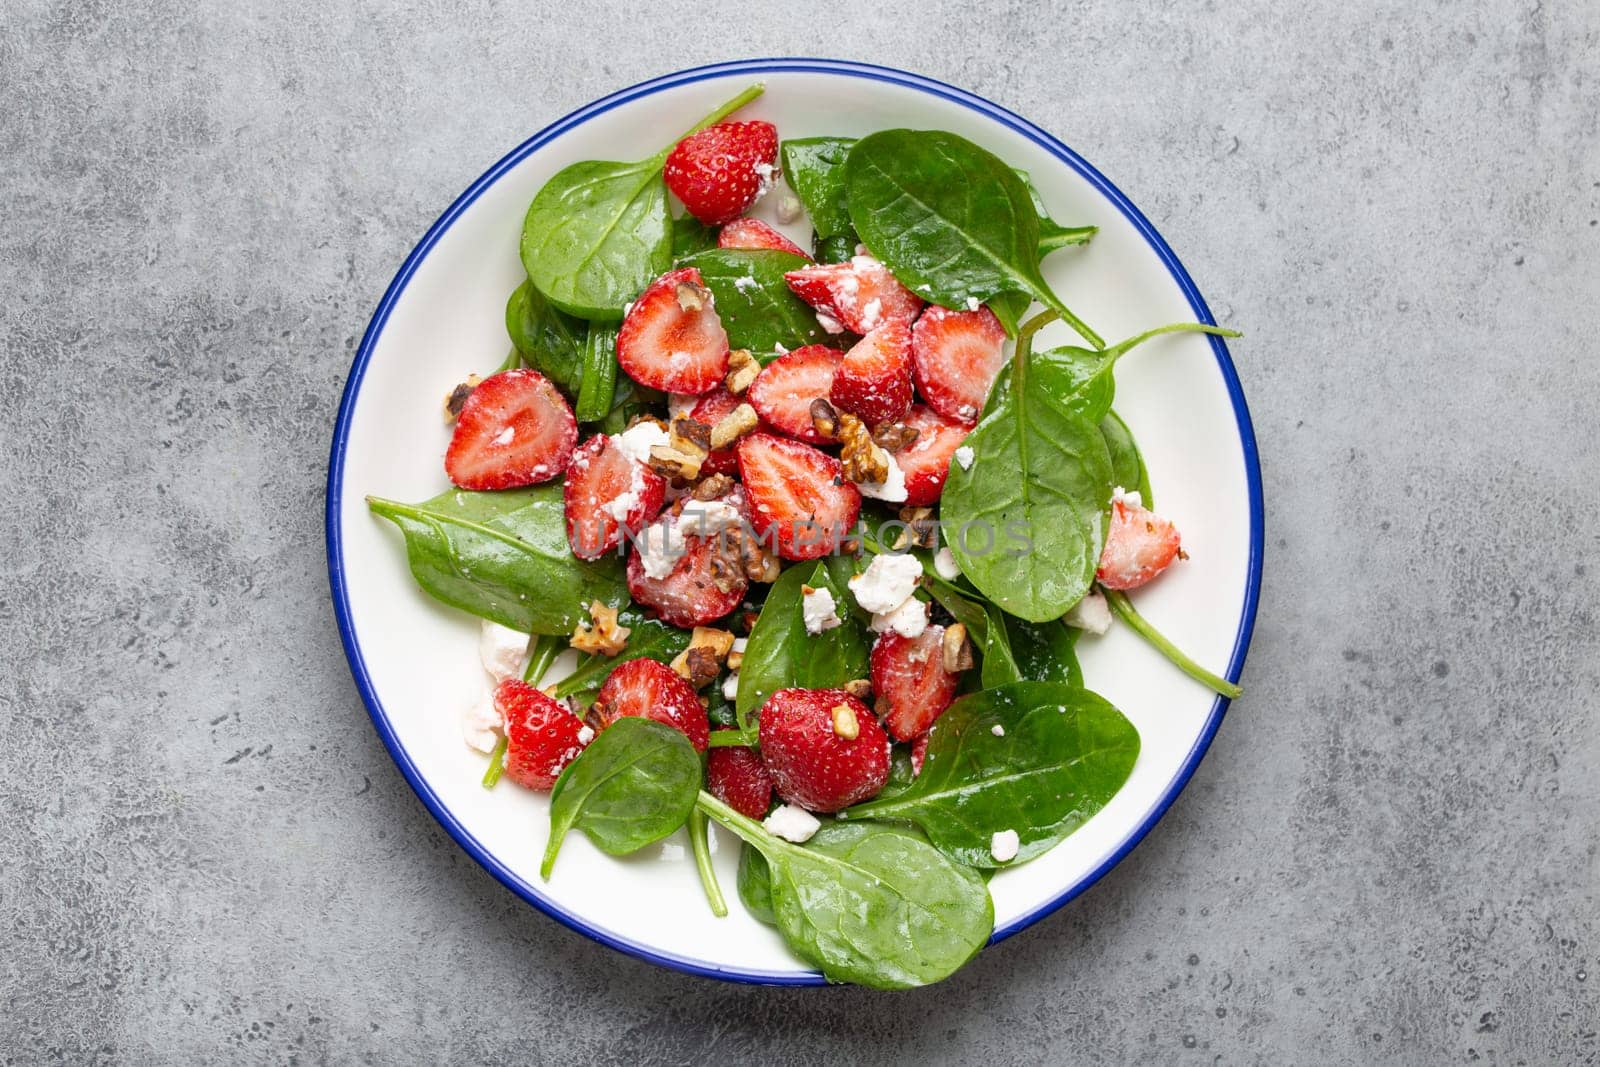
column 541, row 654
column 1125, row 611
column 731, row 739
column 1054, row 304
column 702, row 862
column 1122, row 347
column 578, row 679
column 511, row 362
column 746, row 828
column 497, row 764
column 749, row 94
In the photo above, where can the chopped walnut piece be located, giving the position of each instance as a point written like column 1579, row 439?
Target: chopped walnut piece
column 742, row 370
column 603, row 636
column 458, row 396
column 688, row 443
column 957, row 650
column 921, row 529
column 735, row 660
column 727, row 564
column 894, row 436
column 702, row 660
column 692, row 297
column 863, row 460
column 756, row 562
column 711, row 487
column 637, row 419
column 845, row 726
column 860, row 688
column 734, row 425
column 824, row 419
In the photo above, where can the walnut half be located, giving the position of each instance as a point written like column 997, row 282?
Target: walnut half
column 701, row 662
column 863, row 460
column 742, row 370
column 603, row 636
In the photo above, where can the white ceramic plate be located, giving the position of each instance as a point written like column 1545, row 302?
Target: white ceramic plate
column 415, row 661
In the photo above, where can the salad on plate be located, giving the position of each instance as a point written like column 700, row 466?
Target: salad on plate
column 816, row 528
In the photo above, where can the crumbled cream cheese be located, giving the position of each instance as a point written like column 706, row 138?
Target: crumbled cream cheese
column 637, row 441
column 973, row 303
column 789, row 208
column 481, row 724
column 819, row 611
column 585, row 734
column 745, row 283
column 886, row 583
column 659, row 546
column 1128, row 496
column 944, row 564
column 730, row 686
column 997, row 730
column 792, row 823
column 764, row 172
column 829, row 323
column 709, row 518
column 1092, row 613
column 908, row 620
column 502, row 650
column 891, row 489
column 964, row 457
column 1004, row 845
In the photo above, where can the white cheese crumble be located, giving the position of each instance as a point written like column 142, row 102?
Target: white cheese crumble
column 660, row 546
column 872, row 313
column 1128, row 496
column 481, row 724
column 585, row 734
column 819, row 611
column 1092, row 613
column 964, row 457
column 740, row 644
column 745, row 283
column 637, row 441
column 891, row 489
column 502, row 650
column 944, row 564
column 908, row 620
column 973, row 304
column 709, row 518
column 764, row 172
column 829, row 323
column 1003, row 846
column 886, row 583
column 730, row 686
column 997, row 730
column 789, row 208
column 792, row 823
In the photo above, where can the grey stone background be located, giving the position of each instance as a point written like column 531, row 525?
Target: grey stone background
column 1389, row 854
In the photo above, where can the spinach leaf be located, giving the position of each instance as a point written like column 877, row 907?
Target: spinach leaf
column 1064, row 753
column 834, row 249
column 547, row 339
column 755, row 885
column 1127, row 462
column 1081, row 380
column 756, row 306
column 950, row 219
column 649, row 639
column 598, row 232
column 1044, row 651
column 874, row 905
column 1009, row 309
column 781, row 654
column 814, row 169
column 1053, row 235
column 597, row 388
column 503, row 556
column 635, row 784
column 988, row 628
column 690, row 235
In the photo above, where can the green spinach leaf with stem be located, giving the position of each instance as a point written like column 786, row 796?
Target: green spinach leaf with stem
column 1127, row 462
column 598, row 384
column 871, row 904
column 834, row 249
column 598, row 232
column 503, row 556
column 1123, row 608
column 814, row 169
column 635, row 784
column 690, row 235
column 648, row 639
column 1053, row 235
column 755, row 884
column 702, row 861
column 950, row 219
column 754, row 303
column 1044, row 651
column 781, row 654
column 1081, row 380
column 549, row 340
column 1063, row 754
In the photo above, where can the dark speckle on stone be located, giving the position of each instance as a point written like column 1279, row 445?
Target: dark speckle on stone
column 1441, row 669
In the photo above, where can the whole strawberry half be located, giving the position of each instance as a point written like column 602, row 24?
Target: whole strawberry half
column 753, row 233
column 926, row 461
column 859, row 293
column 736, row 776
column 542, row 736
column 514, row 429
column 671, row 338
column 813, row 762
column 650, row 690
column 799, row 498
column 605, row 491
column 1139, row 545
column 874, row 378
column 706, row 581
column 720, row 171
column 783, row 392
column 955, row 357
column 909, row 681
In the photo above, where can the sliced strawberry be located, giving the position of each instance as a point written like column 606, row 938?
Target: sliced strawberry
column 753, row 233
column 736, row 776
column 671, row 338
column 515, row 429
column 910, row 682
column 919, row 754
column 720, row 171
column 799, row 499
column 542, row 736
column 808, row 750
column 926, row 461
column 704, row 584
column 1139, row 545
column 648, row 689
column 874, row 379
column 607, row 490
column 859, row 293
column 711, row 409
column 782, row 393
column 955, row 357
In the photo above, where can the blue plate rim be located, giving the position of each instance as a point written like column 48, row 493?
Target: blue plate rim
column 934, row 87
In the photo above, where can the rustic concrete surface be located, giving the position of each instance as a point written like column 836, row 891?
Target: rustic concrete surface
column 1389, row 855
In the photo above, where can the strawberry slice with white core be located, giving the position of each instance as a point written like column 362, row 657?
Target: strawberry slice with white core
column 859, row 294
column 799, row 499
column 605, row 491
column 753, row 233
column 955, row 358
column 514, row 429
column 874, row 379
column 671, row 338
column 925, row 462
column 1139, row 545
column 784, row 390
column 909, row 681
